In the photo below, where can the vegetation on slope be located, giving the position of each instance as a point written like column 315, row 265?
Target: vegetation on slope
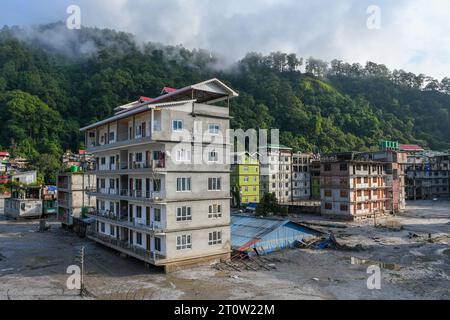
column 48, row 91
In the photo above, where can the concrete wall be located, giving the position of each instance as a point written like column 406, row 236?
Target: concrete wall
column 18, row 208
column 199, row 198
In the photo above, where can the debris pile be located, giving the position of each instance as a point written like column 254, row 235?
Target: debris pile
column 240, row 261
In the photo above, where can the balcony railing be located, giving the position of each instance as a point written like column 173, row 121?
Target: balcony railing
column 146, row 254
column 63, row 202
column 153, row 195
column 150, row 165
column 94, row 146
column 128, row 222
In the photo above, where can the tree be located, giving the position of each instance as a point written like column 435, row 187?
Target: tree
column 293, row 62
column 431, row 84
column 268, row 205
column 29, row 121
column 48, row 166
column 445, row 85
column 316, row 67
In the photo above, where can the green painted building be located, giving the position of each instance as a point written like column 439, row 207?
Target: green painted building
column 245, row 180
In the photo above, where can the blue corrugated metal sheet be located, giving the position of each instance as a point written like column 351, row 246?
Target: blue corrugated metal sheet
column 266, row 235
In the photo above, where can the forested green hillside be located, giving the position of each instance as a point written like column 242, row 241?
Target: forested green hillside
column 54, row 80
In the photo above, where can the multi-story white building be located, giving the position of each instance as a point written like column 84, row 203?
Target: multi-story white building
column 301, row 177
column 276, row 171
column 163, row 185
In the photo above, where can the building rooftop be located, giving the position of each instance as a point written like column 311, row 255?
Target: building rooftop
column 246, row 231
column 410, row 147
column 209, row 91
column 274, row 146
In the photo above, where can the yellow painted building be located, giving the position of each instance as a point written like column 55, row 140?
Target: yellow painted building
column 245, row 181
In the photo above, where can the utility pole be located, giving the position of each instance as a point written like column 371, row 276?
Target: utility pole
column 82, row 289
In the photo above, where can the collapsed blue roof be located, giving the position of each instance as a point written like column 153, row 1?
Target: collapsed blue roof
column 266, row 234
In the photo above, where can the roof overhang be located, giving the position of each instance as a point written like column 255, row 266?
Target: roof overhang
column 127, row 113
column 209, row 91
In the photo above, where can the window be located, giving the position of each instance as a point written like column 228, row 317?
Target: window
column 157, row 214
column 344, row 207
column 139, row 157
column 103, row 161
column 138, row 131
column 327, row 193
column 102, row 227
column 111, row 137
column 344, row 194
column 111, row 230
column 138, row 212
column 184, row 214
column 157, row 185
column 157, row 244
column 213, row 156
column 139, row 238
column 215, row 211
column 327, row 167
column 177, row 125
column 213, row 128
column 184, row 242
column 246, row 179
column 183, row 184
column 183, row 155
column 214, row 184
column 328, row 206
column 343, row 167
column 215, row 238
column 245, row 169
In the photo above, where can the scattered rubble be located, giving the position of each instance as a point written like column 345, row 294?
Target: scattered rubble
column 416, row 267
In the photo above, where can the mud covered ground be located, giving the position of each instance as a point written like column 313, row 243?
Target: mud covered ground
column 412, row 251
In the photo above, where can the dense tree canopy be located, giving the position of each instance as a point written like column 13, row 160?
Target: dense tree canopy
column 47, row 93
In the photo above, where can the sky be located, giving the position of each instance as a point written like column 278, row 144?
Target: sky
column 413, row 35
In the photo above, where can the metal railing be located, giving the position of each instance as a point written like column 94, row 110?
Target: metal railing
column 130, row 222
column 135, row 165
column 147, row 254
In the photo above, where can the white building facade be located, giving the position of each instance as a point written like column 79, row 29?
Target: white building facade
column 301, row 177
column 163, row 181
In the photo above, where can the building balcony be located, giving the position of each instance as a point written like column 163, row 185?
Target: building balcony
column 127, row 248
column 127, row 194
column 97, row 147
column 154, row 228
column 63, row 203
column 62, row 185
column 134, row 167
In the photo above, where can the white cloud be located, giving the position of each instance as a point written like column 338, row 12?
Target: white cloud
column 414, row 34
